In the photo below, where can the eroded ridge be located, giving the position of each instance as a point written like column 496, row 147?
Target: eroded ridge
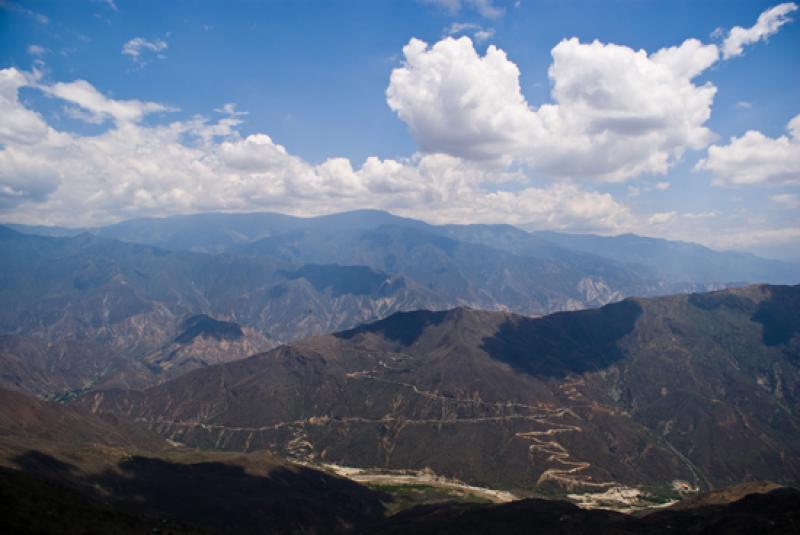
column 548, row 457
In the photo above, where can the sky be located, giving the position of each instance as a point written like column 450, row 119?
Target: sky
column 676, row 119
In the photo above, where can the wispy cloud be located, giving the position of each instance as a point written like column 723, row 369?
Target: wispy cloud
column 767, row 24
column 484, row 8
column 786, row 200
column 461, row 28
column 140, row 50
column 37, row 50
column 16, row 8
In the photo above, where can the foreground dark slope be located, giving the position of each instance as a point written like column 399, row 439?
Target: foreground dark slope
column 702, row 388
column 774, row 512
column 63, row 470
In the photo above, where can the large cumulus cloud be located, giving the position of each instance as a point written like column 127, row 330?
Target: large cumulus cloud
column 617, row 112
column 755, row 158
column 134, row 169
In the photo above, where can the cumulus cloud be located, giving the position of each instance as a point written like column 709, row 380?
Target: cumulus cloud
column 617, row 112
column 133, row 169
column 769, row 22
column 140, row 50
column 19, row 125
column 756, row 159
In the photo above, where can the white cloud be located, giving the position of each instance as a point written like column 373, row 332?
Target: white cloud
column 485, row 8
column 712, row 214
column 662, row 217
column 37, row 50
column 98, row 106
column 111, row 5
column 746, row 238
column 756, row 159
column 786, row 200
column 19, row 125
column 744, row 105
column 133, row 169
column 140, row 49
column 618, row 113
column 767, row 24
column 662, row 186
column 478, row 32
column 16, row 8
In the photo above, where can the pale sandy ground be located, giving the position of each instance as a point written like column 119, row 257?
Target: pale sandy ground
column 618, row 498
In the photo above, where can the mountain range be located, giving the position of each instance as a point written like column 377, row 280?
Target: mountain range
column 105, row 307
column 199, row 388
column 701, row 389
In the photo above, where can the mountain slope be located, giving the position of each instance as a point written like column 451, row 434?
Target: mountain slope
column 62, row 465
column 702, row 388
column 78, row 312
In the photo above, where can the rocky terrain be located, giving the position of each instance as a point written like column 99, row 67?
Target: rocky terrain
column 80, row 310
column 63, row 470
column 85, row 312
column 701, row 388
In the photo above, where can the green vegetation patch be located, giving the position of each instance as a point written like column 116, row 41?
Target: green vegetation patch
column 404, row 496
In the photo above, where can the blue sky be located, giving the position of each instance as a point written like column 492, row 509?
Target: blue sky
column 312, row 78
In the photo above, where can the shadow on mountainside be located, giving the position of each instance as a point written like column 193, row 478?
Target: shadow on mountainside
column 566, row 342
column 778, row 315
column 402, row 327
column 219, row 495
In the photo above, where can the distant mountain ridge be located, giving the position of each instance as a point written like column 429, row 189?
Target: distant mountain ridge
column 219, row 232
column 91, row 311
column 677, row 260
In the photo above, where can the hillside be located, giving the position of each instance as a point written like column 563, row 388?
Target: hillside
column 83, row 312
column 63, row 470
column 701, row 388
column 80, row 310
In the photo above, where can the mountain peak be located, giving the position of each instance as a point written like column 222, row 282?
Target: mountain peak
column 201, row 325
